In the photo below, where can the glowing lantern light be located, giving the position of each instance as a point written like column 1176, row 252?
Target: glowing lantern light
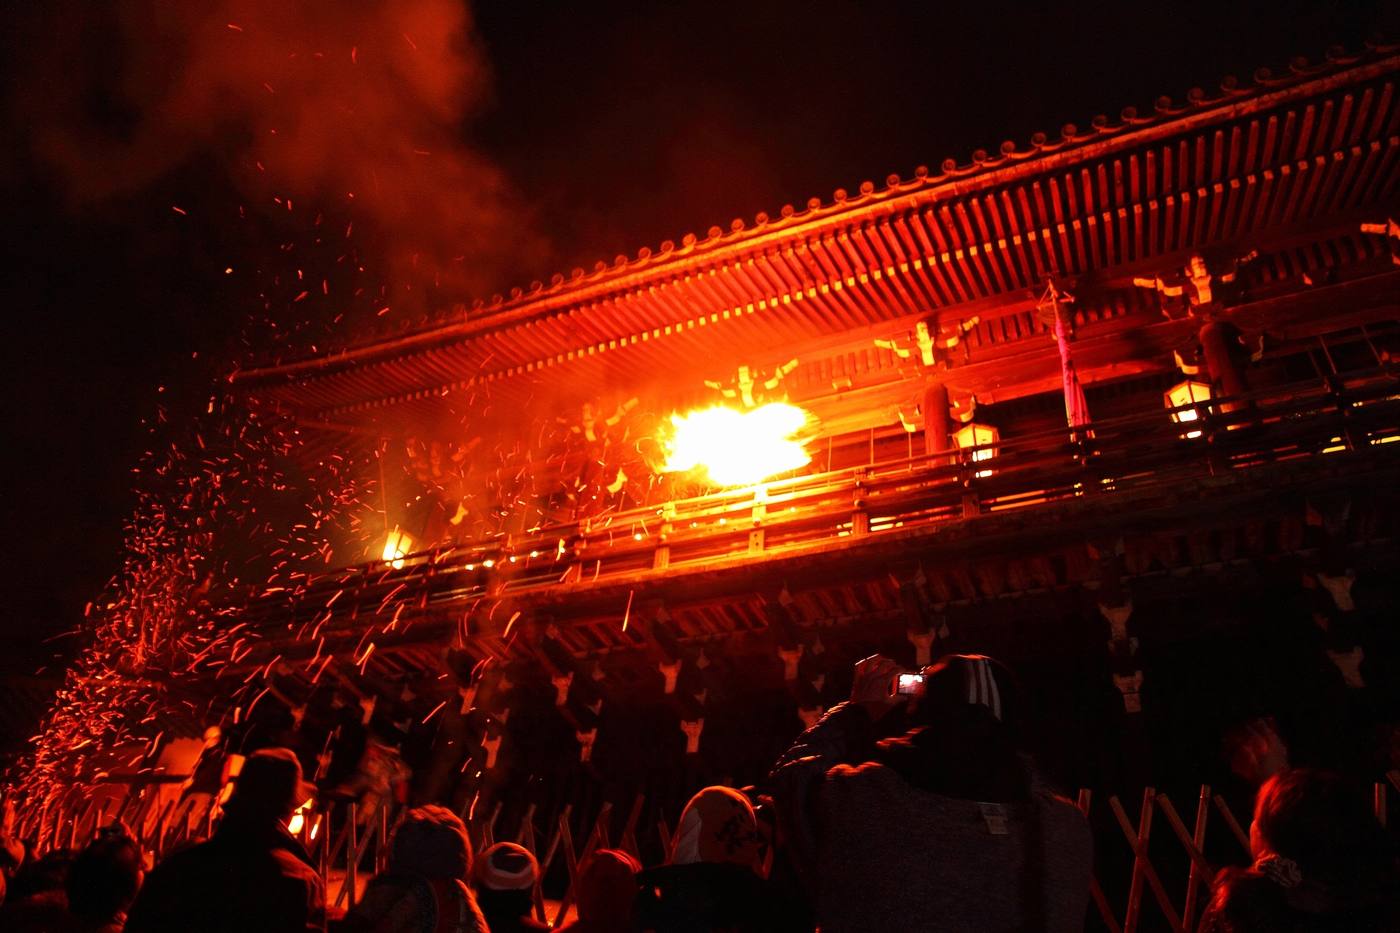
column 298, row 820
column 1181, row 396
column 982, row 438
column 233, row 766
column 397, row 546
column 737, row 448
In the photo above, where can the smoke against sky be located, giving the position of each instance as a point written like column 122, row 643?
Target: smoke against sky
column 358, row 106
column 188, row 184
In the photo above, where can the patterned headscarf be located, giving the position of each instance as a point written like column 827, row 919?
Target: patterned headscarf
column 717, row 826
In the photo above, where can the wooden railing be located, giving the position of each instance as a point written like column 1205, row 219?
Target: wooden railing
column 1356, row 415
column 350, row 845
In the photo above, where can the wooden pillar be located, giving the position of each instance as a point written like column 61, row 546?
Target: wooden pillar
column 936, row 418
column 1221, row 363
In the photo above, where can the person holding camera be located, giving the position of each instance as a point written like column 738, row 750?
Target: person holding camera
column 942, row 825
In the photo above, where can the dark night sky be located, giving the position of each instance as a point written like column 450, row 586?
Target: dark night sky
column 616, row 126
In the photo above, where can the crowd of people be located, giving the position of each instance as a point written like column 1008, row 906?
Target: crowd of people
column 911, row 806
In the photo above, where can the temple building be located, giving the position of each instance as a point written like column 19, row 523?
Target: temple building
column 1120, row 406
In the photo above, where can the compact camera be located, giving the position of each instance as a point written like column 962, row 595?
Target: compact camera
column 909, row 684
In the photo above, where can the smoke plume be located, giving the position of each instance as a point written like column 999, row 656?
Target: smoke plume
column 356, row 105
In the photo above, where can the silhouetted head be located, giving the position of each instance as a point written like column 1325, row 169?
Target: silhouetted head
column 1321, row 861
column 505, row 877
column 607, row 888
column 431, row 842
column 269, row 787
column 1255, row 750
column 964, row 739
column 968, row 687
column 717, row 826
column 506, row 866
column 1320, row 822
column 104, row 878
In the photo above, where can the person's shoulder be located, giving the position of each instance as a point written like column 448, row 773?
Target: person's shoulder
column 865, row 779
column 1053, row 804
column 865, row 772
column 177, row 863
column 292, row 866
column 1063, row 819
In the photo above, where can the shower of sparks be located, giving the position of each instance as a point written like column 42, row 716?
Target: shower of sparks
column 215, row 524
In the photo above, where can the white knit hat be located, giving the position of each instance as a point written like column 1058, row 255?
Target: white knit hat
column 506, row 866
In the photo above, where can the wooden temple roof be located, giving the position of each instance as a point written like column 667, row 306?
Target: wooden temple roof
column 1287, row 164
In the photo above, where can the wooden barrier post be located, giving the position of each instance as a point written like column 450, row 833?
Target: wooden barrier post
column 79, row 819
column 1233, row 823
column 598, row 836
column 352, row 874
column 553, row 848
column 352, row 855
column 1193, row 880
column 525, row 836
column 179, row 819
column 1198, row 858
column 488, row 829
column 1095, row 889
column 323, row 851
column 1142, row 867
column 664, row 832
column 381, row 848
column 628, row 840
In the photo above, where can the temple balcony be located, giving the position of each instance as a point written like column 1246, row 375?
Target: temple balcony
column 1203, row 468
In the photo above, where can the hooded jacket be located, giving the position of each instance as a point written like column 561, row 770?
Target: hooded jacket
column 882, row 849
column 250, row 876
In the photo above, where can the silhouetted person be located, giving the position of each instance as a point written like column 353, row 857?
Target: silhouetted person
column 712, row 880
column 11, row 858
column 505, row 877
column 103, row 881
column 607, row 893
column 1322, row 863
column 252, row 876
column 1255, row 750
column 36, row 900
column 424, row 888
column 945, row 826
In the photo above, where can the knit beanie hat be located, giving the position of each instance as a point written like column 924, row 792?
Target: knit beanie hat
column 506, row 866
column 957, row 681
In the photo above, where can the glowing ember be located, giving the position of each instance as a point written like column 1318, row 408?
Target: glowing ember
column 736, row 448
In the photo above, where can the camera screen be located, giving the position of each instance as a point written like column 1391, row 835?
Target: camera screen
column 909, row 683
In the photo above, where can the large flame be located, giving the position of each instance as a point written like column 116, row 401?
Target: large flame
column 737, row 448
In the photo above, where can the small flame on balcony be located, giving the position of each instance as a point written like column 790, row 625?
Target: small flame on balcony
column 737, row 448
column 397, row 546
column 298, row 819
